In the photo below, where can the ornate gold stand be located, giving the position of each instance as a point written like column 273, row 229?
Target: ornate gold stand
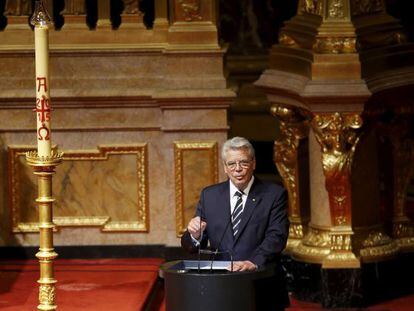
column 294, row 126
column 44, row 168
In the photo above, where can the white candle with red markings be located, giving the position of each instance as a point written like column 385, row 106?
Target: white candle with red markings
column 41, row 20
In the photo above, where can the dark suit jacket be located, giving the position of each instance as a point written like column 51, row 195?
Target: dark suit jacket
column 264, row 226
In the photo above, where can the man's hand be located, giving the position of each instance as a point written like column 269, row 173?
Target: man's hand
column 243, row 266
column 195, row 227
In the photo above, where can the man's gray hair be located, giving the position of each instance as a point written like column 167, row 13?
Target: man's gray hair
column 237, row 143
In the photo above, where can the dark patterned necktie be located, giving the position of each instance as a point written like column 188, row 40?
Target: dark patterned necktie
column 237, row 213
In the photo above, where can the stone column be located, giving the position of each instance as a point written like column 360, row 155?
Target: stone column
column 317, row 67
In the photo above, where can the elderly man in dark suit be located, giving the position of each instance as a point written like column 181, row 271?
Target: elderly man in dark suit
column 244, row 215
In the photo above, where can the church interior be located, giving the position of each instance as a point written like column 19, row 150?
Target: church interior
column 143, row 94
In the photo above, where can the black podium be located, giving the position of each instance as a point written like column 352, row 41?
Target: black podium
column 206, row 286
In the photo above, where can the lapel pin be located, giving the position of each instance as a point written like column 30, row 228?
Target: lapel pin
column 254, row 200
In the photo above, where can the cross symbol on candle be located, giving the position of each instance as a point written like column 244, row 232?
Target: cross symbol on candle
column 42, row 109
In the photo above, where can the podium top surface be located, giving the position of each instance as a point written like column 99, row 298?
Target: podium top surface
column 203, row 267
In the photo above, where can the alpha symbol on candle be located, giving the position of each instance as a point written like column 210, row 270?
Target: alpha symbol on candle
column 41, row 82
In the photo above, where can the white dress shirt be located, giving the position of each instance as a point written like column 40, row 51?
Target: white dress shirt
column 233, row 197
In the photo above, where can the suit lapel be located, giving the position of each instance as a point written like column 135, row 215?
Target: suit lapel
column 253, row 199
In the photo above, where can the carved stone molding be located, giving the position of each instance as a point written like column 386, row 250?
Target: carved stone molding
column 337, row 9
column 311, row 6
column 196, row 167
column 341, row 255
column 330, row 247
column 335, row 132
column 77, row 208
column 294, row 126
column 18, row 7
column 191, row 9
column 335, row 45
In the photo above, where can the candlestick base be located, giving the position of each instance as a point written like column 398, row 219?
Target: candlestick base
column 44, row 168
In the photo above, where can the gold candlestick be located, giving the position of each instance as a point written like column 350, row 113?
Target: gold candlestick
column 44, row 161
column 44, row 168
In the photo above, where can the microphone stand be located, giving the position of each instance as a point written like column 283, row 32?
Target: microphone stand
column 199, row 248
column 221, row 240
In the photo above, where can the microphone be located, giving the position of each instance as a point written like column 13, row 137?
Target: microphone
column 200, row 241
column 221, row 240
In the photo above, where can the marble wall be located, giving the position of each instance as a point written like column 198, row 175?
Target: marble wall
column 140, row 115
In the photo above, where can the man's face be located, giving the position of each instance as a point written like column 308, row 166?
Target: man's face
column 239, row 167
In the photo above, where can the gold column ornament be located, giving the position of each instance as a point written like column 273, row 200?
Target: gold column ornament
column 294, row 126
column 335, row 132
column 44, row 160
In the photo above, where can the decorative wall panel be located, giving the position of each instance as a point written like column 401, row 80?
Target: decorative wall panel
column 105, row 188
column 195, row 168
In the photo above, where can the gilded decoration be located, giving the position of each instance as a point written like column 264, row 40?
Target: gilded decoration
column 341, row 255
column 191, row 9
column 312, row 7
column 336, row 9
column 74, row 7
column 112, row 170
column 337, row 136
column 294, row 126
column 314, row 247
column 341, row 242
column 47, row 295
column 195, row 168
column 402, row 229
column 361, row 7
column 335, row 45
column 374, row 245
column 287, row 40
column 296, row 233
column 44, row 168
column 18, row 7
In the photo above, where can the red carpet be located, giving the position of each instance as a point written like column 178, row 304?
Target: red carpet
column 106, row 284
column 114, row 284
